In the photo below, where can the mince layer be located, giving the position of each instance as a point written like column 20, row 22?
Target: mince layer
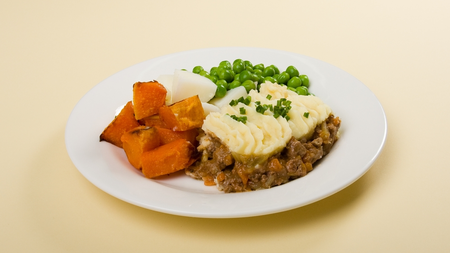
column 218, row 167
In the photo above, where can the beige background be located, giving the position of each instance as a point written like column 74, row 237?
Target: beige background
column 53, row 52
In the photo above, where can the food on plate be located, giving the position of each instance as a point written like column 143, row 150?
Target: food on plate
column 183, row 115
column 139, row 140
column 154, row 120
column 242, row 73
column 148, row 97
column 168, row 158
column 232, row 94
column 123, row 122
column 208, row 108
column 167, row 82
column 163, row 139
column 168, row 135
column 265, row 139
column 186, row 84
column 240, row 127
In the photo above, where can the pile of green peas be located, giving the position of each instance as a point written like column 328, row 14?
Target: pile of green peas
column 229, row 75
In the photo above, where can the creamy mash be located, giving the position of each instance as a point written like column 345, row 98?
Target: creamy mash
column 263, row 135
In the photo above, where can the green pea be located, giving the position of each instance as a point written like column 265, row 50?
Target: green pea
column 283, row 78
column 244, row 76
column 305, row 80
column 250, row 69
column 294, row 82
column 259, row 66
column 302, row 90
column 268, row 71
column 236, row 77
column 276, row 76
column 212, row 78
column 270, row 79
column 221, row 91
column 213, row 71
column 277, row 71
column 225, row 64
column 225, row 74
column 222, row 83
column 255, row 78
column 237, row 60
column 249, row 85
column 203, row 73
column 260, row 79
column 197, row 69
column 248, row 64
column 258, row 76
column 258, row 72
column 238, row 67
column 292, row 71
column 234, row 84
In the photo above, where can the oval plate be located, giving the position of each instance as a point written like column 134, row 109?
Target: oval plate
column 363, row 134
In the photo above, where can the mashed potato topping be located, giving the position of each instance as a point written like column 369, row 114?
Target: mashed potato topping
column 262, row 134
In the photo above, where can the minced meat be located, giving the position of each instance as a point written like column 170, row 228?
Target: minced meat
column 218, row 167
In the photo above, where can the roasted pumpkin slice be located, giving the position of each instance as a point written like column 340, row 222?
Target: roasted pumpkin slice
column 138, row 141
column 183, row 115
column 122, row 123
column 148, row 97
column 168, row 158
column 168, row 135
column 153, row 120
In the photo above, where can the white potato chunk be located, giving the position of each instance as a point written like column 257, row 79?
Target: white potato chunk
column 232, row 94
column 187, row 84
column 167, row 82
column 208, row 108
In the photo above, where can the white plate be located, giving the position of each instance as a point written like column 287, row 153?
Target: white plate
column 363, row 129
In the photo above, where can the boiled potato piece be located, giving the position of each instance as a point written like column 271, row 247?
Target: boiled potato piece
column 167, row 82
column 208, row 108
column 187, row 84
column 232, row 94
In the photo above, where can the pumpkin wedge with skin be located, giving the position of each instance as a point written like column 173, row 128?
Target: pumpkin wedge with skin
column 153, row 120
column 183, row 115
column 148, row 97
column 139, row 140
column 123, row 122
column 168, row 158
column 168, row 135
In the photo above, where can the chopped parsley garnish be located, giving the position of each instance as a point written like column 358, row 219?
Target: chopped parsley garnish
column 245, row 101
column 306, row 114
column 242, row 119
column 282, row 108
column 233, row 102
column 261, row 108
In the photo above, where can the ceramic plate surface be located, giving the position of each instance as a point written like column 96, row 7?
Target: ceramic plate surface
column 363, row 134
